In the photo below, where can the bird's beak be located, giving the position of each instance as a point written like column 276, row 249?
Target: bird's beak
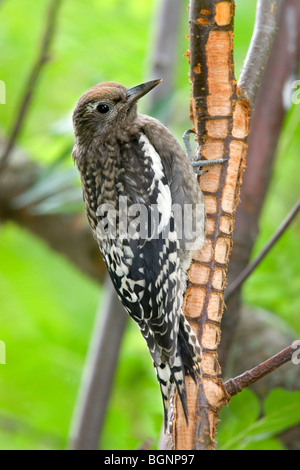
column 136, row 92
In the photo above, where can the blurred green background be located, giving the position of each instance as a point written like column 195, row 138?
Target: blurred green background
column 47, row 306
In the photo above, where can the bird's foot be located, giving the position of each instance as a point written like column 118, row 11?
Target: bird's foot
column 197, row 163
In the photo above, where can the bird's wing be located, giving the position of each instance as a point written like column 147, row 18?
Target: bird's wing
column 148, row 274
column 176, row 163
column 145, row 267
column 144, row 264
column 179, row 171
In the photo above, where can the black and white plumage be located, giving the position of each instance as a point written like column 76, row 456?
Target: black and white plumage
column 125, row 156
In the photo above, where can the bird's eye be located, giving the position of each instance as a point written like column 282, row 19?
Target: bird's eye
column 103, row 108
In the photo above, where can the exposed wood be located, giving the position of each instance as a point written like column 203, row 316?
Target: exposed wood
column 222, row 125
column 221, row 114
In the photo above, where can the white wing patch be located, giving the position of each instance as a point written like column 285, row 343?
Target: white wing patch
column 164, row 200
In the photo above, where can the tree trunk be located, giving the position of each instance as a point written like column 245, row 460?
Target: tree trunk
column 220, row 111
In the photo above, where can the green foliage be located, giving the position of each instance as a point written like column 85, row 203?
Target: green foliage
column 94, row 42
column 242, row 428
column 47, row 307
column 45, row 324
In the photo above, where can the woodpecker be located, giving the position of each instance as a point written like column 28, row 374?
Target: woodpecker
column 128, row 161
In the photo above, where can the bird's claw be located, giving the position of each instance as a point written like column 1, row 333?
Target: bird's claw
column 186, row 140
column 198, row 164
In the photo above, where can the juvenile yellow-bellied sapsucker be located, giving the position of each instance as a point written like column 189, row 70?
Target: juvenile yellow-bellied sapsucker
column 146, row 210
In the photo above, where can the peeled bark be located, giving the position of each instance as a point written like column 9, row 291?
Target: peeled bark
column 220, row 111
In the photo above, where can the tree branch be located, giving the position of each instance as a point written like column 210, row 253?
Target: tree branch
column 234, row 386
column 164, row 56
column 98, row 374
column 221, row 123
column 259, row 50
column 266, row 124
column 42, row 58
column 270, row 244
column 221, row 115
column 68, row 234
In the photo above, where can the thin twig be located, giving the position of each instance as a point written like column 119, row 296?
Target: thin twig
column 270, row 244
column 42, row 58
column 236, row 385
column 258, row 54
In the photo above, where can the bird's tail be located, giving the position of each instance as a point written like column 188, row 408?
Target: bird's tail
column 186, row 362
column 190, row 349
column 167, row 375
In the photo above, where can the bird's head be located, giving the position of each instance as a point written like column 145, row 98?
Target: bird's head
column 106, row 107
